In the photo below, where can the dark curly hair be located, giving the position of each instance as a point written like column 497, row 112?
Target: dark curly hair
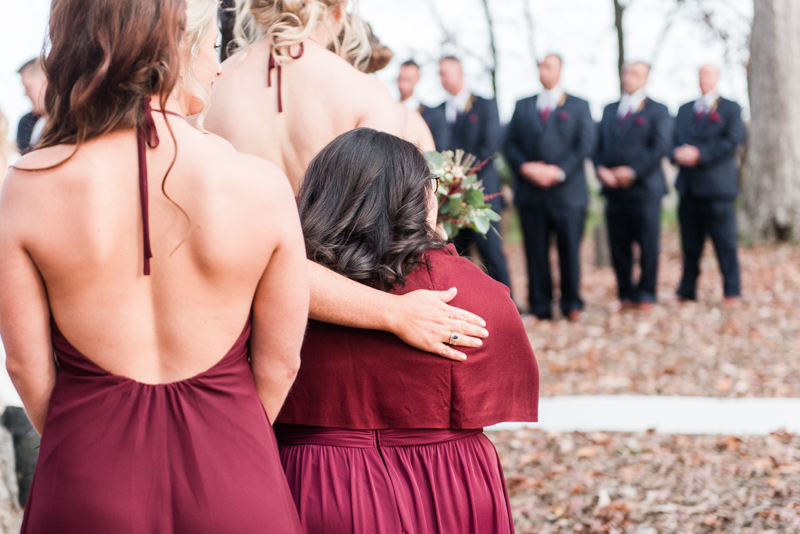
column 364, row 206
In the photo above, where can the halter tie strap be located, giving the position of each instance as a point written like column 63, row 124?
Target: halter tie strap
column 277, row 67
column 146, row 136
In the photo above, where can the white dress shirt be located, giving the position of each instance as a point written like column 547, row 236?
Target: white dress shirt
column 456, row 104
column 549, row 99
column 630, row 103
column 36, row 133
column 706, row 102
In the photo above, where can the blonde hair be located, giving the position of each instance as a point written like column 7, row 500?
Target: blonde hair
column 199, row 16
column 6, row 147
column 289, row 22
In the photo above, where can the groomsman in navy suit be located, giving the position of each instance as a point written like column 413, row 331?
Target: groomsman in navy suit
column 707, row 134
column 471, row 123
column 549, row 137
column 635, row 135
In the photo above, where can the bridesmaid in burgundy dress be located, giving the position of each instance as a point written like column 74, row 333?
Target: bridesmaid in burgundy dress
column 149, row 339
column 376, row 436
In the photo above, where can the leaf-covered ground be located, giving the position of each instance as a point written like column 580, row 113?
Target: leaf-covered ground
column 698, row 349
column 649, row 483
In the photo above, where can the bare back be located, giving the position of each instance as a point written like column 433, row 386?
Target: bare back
column 323, row 97
column 75, row 233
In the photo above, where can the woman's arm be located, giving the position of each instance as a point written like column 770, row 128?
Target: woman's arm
column 24, row 312
column 421, row 319
column 280, row 306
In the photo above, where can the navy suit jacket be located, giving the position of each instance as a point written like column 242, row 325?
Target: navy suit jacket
column 25, row 130
column 567, row 138
column 640, row 142
column 477, row 131
column 717, row 135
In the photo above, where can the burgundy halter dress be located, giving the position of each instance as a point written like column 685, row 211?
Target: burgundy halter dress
column 194, row 456
column 378, row 437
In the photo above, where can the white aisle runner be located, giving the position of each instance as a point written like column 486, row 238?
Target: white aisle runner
column 680, row 415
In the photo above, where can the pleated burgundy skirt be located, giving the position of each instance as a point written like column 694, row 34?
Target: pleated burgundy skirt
column 411, row 481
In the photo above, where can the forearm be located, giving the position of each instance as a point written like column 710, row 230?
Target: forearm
column 274, row 382
column 648, row 163
column 339, row 300
column 514, row 157
column 569, row 163
column 714, row 152
column 35, row 389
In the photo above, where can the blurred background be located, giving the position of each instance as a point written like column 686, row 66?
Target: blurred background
column 682, row 419
column 675, row 36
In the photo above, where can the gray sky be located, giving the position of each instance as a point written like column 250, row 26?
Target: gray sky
column 582, row 31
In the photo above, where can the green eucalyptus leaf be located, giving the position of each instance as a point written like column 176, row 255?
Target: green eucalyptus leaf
column 475, row 197
column 448, row 229
column 469, row 180
column 492, row 215
column 435, row 159
column 444, row 209
column 482, row 224
column 455, row 203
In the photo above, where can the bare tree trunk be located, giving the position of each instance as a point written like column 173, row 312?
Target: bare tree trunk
column 619, row 11
column 490, row 24
column 772, row 187
column 526, row 9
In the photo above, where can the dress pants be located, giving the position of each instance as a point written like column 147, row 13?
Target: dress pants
column 490, row 247
column 538, row 225
column 629, row 224
column 708, row 217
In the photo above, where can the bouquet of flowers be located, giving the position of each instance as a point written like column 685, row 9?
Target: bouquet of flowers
column 462, row 203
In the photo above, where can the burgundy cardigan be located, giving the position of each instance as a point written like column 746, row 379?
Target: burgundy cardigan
column 367, row 379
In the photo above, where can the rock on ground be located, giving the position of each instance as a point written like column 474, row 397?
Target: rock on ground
column 10, row 510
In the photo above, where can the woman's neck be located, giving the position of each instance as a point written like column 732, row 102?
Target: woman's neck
column 179, row 105
column 322, row 36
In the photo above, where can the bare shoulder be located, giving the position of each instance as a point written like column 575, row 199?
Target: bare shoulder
column 34, row 170
column 256, row 180
column 341, row 73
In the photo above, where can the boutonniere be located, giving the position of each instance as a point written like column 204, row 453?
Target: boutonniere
column 563, row 115
column 641, row 121
column 473, row 118
column 714, row 117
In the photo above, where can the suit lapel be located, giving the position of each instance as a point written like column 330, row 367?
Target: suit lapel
column 536, row 117
column 463, row 116
column 617, row 129
column 632, row 119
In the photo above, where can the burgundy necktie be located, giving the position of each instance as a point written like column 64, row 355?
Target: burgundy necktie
column 545, row 114
column 624, row 119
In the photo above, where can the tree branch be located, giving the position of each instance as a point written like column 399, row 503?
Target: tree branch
column 526, row 9
column 449, row 37
column 490, row 27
